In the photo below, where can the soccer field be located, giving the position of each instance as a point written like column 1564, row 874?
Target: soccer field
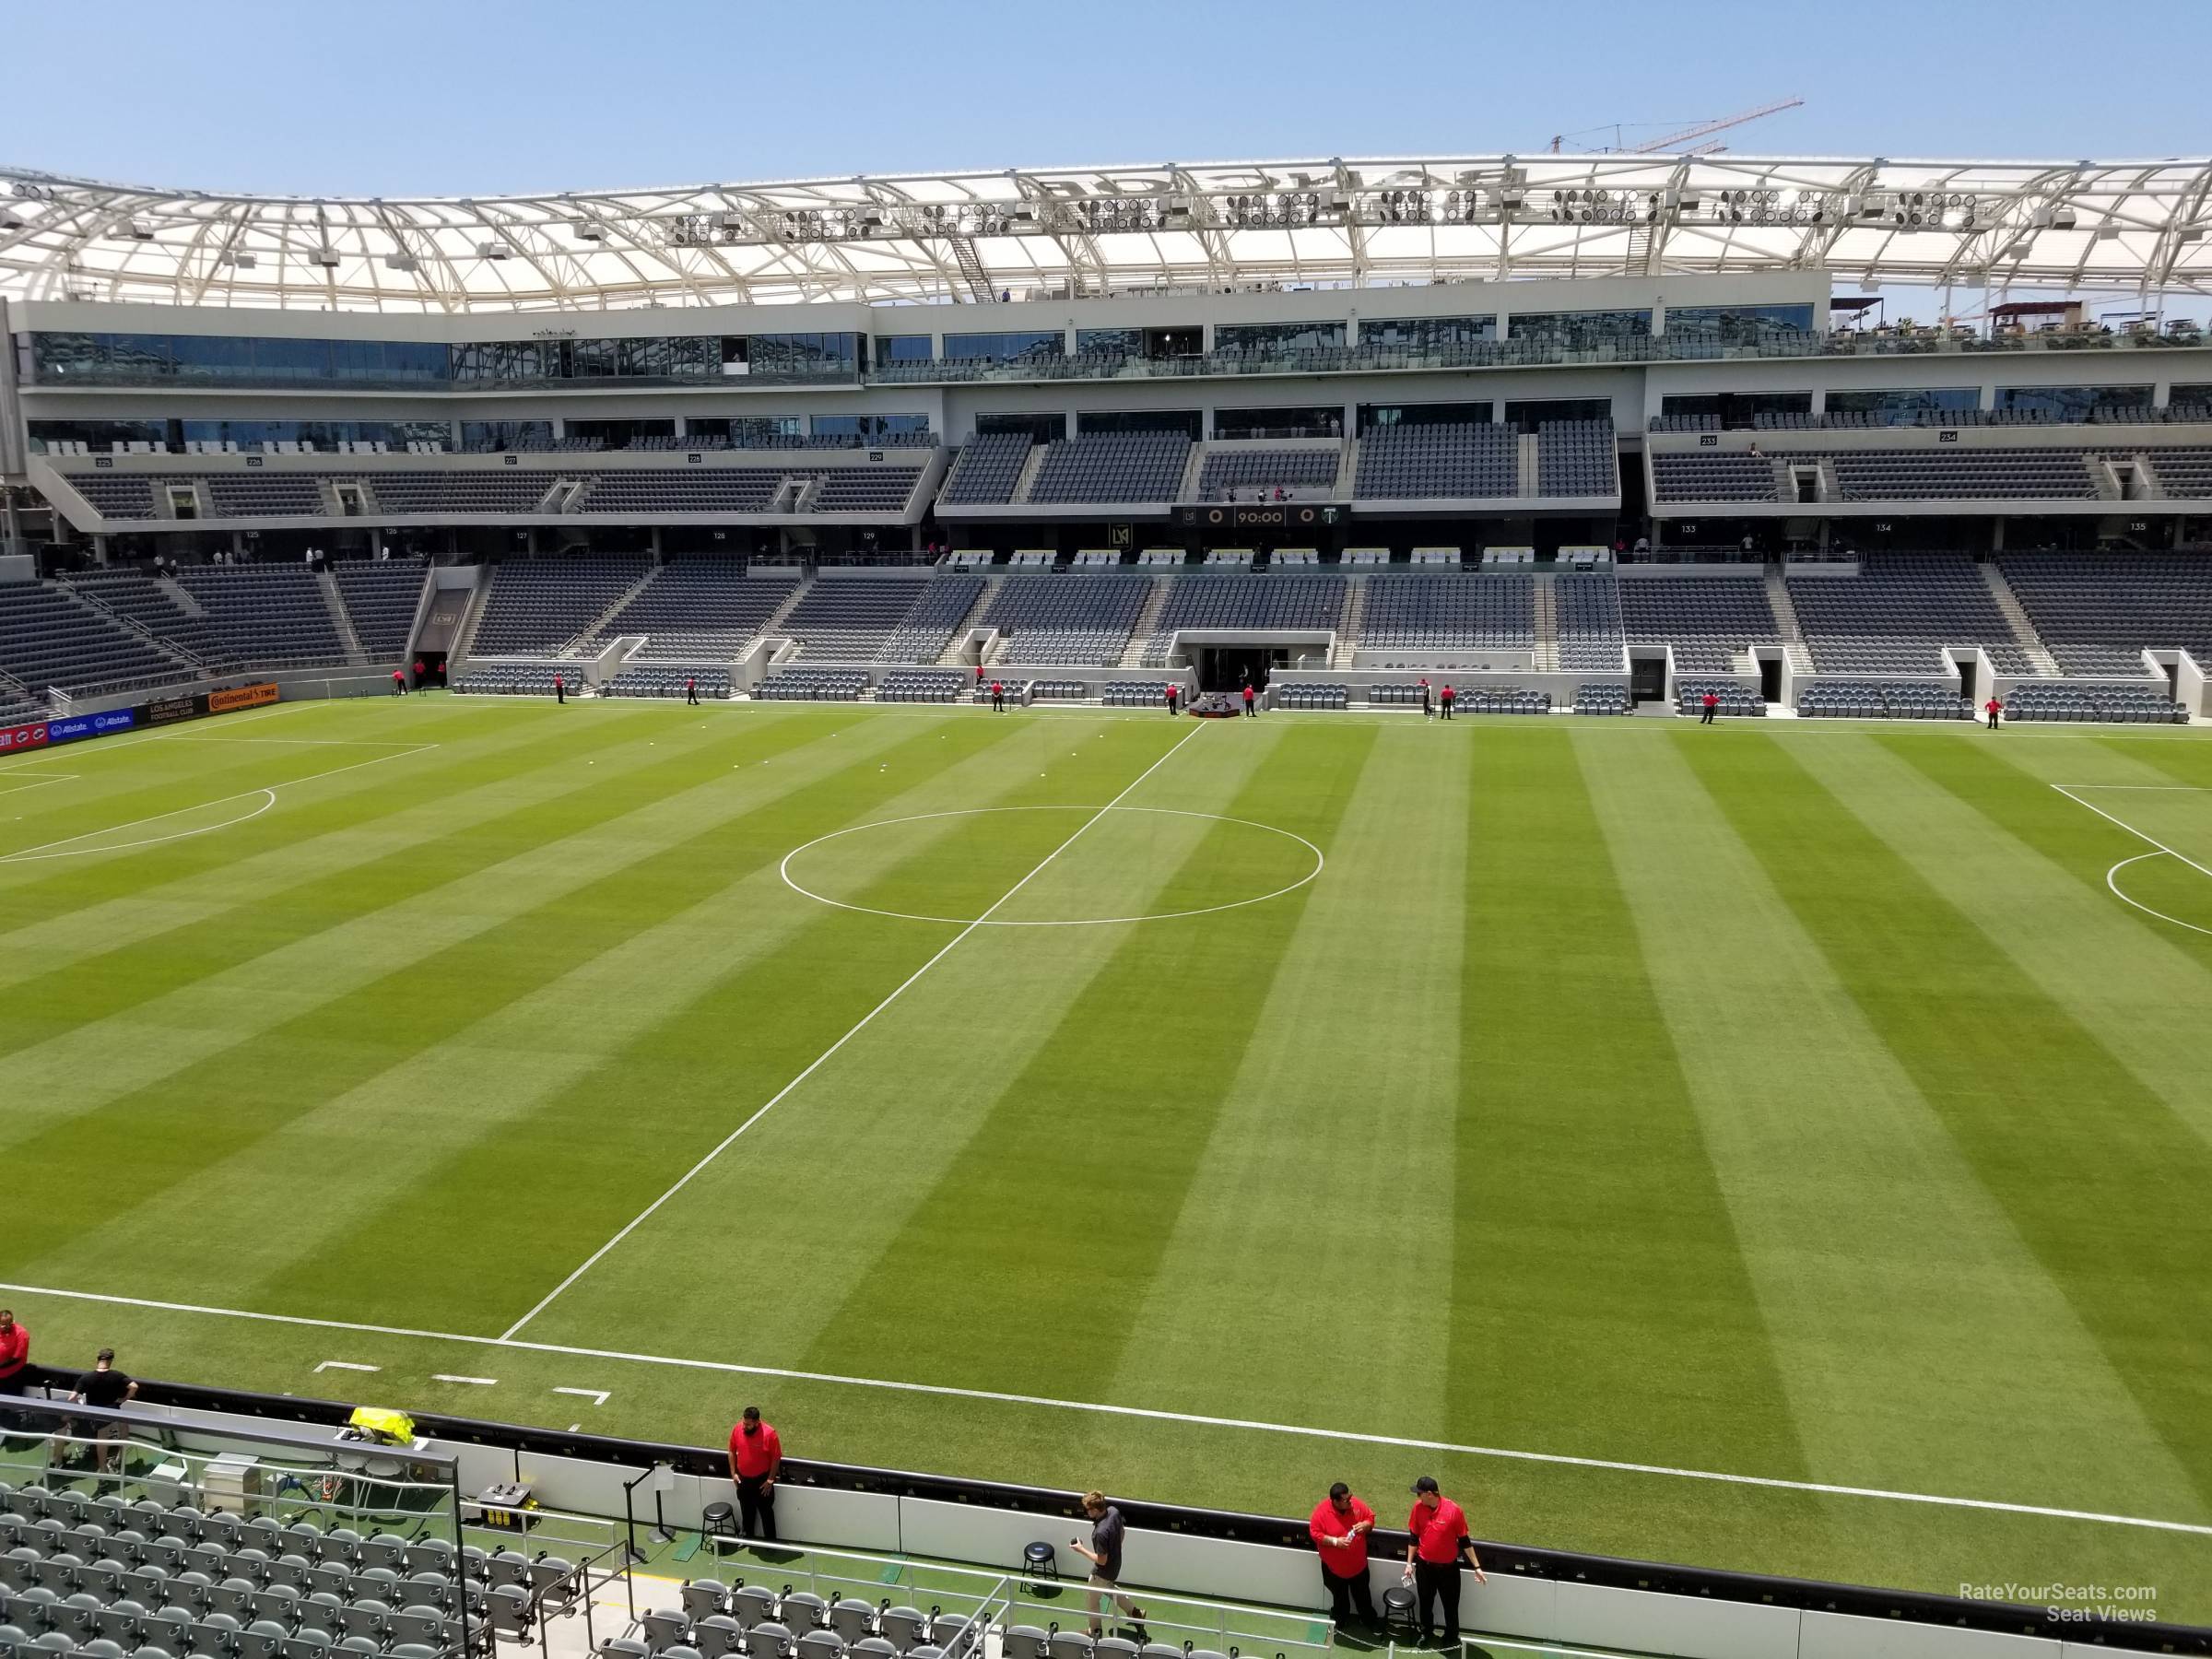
column 1781, row 1146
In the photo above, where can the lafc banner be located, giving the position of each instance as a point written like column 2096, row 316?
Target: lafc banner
column 242, row 697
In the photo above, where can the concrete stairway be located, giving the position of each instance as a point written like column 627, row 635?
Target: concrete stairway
column 1354, row 619
column 2016, row 617
column 1546, row 609
column 1148, row 621
column 611, row 612
column 1785, row 618
column 354, row 651
column 950, row 656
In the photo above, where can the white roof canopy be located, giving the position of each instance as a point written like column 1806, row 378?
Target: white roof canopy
column 2136, row 225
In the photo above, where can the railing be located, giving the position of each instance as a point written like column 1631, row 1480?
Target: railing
column 1534, row 352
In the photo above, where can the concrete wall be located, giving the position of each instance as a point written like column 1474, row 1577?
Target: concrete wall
column 1530, row 1609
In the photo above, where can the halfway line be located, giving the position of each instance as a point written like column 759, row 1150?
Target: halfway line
column 819, row 1059
column 997, row 1396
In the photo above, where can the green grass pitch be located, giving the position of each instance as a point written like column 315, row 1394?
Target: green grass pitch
column 1793, row 1103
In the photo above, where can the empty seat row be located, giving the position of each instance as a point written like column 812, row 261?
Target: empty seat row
column 538, row 605
column 1883, row 699
column 519, row 680
column 922, row 684
column 382, row 598
column 813, row 685
column 1067, row 620
column 1437, row 462
column 2066, row 699
column 1736, row 698
column 270, row 615
column 699, row 608
column 670, row 679
column 1312, row 697
column 1597, row 698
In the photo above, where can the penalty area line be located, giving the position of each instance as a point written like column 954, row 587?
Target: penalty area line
column 1142, row 1413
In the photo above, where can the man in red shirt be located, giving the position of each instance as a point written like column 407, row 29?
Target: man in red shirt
column 1340, row 1525
column 15, row 1352
column 1440, row 1535
column 1993, row 708
column 1248, row 711
column 756, row 1457
column 691, row 690
column 1172, row 695
column 399, row 683
column 1446, row 699
column 1713, row 707
column 998, row 697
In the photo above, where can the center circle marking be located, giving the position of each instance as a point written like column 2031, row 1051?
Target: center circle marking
column 784, row 869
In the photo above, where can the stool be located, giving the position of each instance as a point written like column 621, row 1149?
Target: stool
column 1399, row 1606
column 1043, row 1562
column 718, row 1520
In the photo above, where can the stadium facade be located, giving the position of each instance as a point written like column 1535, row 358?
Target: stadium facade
column 1482, row 361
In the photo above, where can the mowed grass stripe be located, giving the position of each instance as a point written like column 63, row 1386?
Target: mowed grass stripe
column 52, row 912
column 875, row 1130
column 268, row 1078
column 1901, row 1299
column 563, row 847
column 2103, row 1182
column 1109, row 1116
column 1331, row 1155
column 700, row 910
column 377, row 830
column 97, row 981
column 2125, row 978
column 1594, row 1261
column 686, row 1080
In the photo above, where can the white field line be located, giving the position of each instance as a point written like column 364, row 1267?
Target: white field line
column 43, row 851
column 2112, row 877
column 36, row 781
column 171, row 734
column 784, row 869
column 2067, row 790
column 471, row 1382
column 996, row 1397
column 821, row 1059
column 346, row 1365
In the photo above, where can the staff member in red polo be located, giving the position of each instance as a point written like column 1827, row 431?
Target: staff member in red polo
column 1440, row 1536
column 15, row 1352
column 756, row 1458
column 1340, row 1525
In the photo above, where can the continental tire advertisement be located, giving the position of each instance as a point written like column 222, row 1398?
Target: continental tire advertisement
column 242, row 697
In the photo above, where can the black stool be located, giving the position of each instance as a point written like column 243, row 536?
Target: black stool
column 1398, row 1606
column 1043, row 1562
column 718, row 1520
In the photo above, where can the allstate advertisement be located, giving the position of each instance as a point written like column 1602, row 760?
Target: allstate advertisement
column 74, row 727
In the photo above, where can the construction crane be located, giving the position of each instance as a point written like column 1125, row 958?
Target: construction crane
column 1704, row 129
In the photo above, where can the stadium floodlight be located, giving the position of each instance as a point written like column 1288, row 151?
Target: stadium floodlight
column 241, row 261
column 134, row 229
column 493, row 249
column 590, row 231
column 403, row 262
column 327, row 256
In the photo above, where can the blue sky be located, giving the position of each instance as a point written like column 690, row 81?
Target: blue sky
column 395, row 97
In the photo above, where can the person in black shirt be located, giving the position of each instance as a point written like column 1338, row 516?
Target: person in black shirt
column 106, row 1388
column 1104, row 1553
